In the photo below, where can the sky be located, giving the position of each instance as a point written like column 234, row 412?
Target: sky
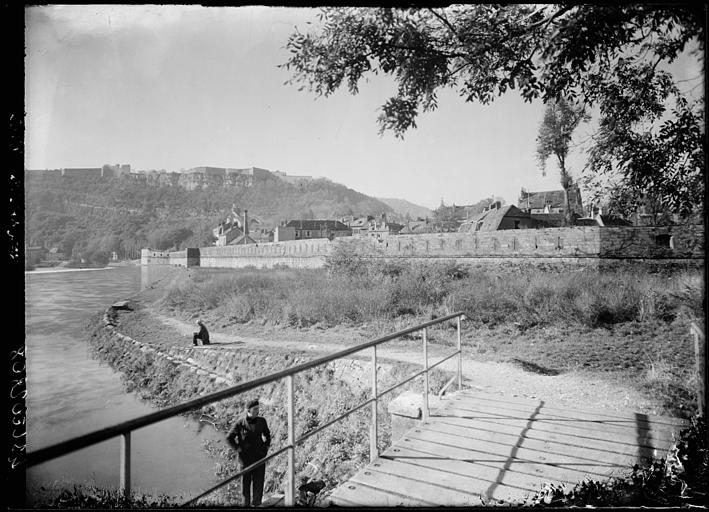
column 175, row 87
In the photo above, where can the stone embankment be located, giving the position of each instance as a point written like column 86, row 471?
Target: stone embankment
column 218, row 366
column 178, row 356
column 168, row 372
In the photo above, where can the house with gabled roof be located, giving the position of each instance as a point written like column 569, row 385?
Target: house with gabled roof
column 550, row 201
column 382, row 228
column 417, row 227
column 306, row 229
column 497, row 217
column 358, row 225
column 234, row 230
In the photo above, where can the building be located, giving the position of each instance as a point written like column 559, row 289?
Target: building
column 381, row 229
column 305, row 229
column 234, row 230
column 293, row 179
column 418, row 227
column 82, row 172
column 497, row 217
column 35, row 254
column 358, row 225
column 55, row 254
column 115, row 171
column 550, row 201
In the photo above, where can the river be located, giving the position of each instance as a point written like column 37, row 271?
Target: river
column 69, row 393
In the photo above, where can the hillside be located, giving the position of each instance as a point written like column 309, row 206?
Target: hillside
column 403, row 208
column 89, row 215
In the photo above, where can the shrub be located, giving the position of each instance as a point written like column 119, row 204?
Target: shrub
column 357, row 288
column 92, row 497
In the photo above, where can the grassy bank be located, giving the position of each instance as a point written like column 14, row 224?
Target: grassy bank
column 338, row 451
column 353, row 290
column 633, row 324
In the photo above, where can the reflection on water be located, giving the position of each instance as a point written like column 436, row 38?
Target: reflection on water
column 70, row 394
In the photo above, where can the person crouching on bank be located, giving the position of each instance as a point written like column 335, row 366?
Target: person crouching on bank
column 202, row 335
column 250, row 438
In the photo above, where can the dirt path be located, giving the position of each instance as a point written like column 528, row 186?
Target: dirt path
column 572, row 389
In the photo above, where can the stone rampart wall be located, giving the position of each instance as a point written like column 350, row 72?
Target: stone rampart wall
column 151, row 257
column 591, row 246
column 186, row 258
column 294, row 254
column 653, row 242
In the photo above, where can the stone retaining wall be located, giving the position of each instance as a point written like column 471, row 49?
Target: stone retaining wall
column 590, row 246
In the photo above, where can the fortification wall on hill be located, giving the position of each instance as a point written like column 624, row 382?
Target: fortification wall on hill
column 591, row 246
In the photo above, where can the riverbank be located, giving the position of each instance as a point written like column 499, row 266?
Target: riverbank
column 526, row 333
column 568, row 365
column 163, row 367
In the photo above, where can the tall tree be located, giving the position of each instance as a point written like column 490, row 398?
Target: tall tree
column 560, row 120
column 607, row 56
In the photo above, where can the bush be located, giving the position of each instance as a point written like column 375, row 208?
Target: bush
column 92, row 497
column 358, row 289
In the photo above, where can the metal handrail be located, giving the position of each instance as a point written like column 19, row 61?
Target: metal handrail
column 125, row 428
column 694, row 327
column 700, row 354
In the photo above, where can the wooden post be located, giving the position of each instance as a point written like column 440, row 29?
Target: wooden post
column 424, row 404
column 290, row 485
column 374, row 430
column 700, row 354
column 460, row 358
column 125, row 464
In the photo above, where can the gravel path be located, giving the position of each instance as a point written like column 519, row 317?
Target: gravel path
column 573, row 389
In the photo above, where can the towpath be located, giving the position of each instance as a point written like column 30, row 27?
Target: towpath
column 573, row 389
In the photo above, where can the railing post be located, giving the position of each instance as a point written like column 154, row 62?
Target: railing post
column 424, row 405
column 460, row 359
column 125, row 464
column 700, row 354
column 374, row 430
column 290, row 485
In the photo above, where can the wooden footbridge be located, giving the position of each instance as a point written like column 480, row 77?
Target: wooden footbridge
column 482, row 449
column 466, row 448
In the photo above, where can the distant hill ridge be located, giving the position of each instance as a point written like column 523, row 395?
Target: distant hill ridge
column 196, row 177
column 100, row 213
column 404, row 207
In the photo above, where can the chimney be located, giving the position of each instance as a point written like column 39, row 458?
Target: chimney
column 246, row 222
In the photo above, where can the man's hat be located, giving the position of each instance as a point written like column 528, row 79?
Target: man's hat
column 252, row 403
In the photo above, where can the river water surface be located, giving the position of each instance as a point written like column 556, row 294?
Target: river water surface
column 69, row 393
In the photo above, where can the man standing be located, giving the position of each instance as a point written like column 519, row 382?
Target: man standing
column 250, row 438
column 203, row 334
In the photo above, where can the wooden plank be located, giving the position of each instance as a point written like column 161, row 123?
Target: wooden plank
column 482, row 460
column 356, row 494
column 622, row 427
column 471, row 476
column 574, row 446
column 410, row 481
column 560, row 432
column 496, row 451
column 586, row 412
column 540, row 410
column 479, row 448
